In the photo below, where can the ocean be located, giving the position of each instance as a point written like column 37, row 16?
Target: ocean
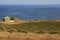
column 31, row 12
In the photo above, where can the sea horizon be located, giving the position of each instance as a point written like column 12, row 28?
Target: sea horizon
column 31, row 12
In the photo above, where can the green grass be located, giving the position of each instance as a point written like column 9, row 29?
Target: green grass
column 37, row 27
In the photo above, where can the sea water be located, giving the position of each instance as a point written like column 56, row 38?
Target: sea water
column 31, row 12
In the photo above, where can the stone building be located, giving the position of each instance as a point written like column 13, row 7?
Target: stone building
column 8, row 19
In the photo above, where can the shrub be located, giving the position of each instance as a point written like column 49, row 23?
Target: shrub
column 52, row 32
column 3, row 19
column 11, row 18
column 9, row 31
column 40, row 32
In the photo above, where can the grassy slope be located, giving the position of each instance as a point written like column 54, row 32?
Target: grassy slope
column 36, row 27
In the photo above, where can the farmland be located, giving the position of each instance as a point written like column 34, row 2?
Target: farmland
column 30, row 31
column 33, row 27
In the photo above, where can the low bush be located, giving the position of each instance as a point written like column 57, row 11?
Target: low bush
column 51, row 32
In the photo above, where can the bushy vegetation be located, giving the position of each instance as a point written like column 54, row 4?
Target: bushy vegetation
column 35, row 27
column 53, row 32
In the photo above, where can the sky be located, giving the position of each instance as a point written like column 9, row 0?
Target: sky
column 29, row 2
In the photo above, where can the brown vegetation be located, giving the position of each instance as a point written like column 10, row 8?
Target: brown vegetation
column 27, row 36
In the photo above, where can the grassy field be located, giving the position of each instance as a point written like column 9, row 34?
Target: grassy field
column 34, row 27
column 27, row 36
column 30, row 31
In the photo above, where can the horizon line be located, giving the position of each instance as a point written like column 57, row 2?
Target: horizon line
column 29, row 4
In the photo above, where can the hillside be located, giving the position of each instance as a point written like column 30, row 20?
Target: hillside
column 33, row 27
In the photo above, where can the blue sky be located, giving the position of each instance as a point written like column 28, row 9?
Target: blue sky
column 29, row 2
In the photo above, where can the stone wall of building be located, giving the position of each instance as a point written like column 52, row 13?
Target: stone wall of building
column 7, row 19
